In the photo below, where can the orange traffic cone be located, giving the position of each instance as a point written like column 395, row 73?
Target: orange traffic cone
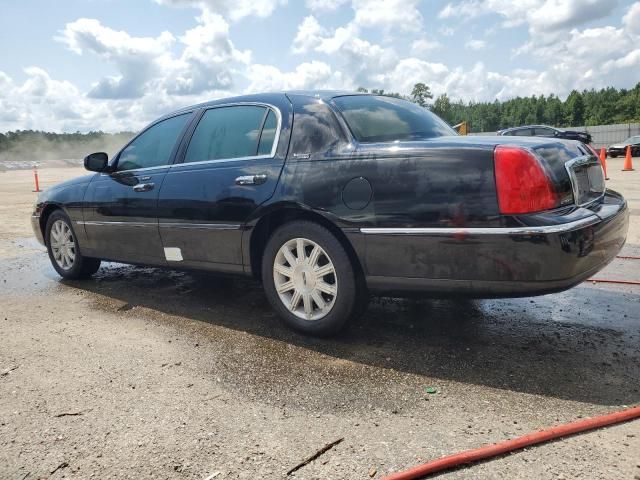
column 603, row 161
column 35, row 179
column 628, row 164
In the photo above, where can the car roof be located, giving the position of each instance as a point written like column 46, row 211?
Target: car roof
column 268, row 97
column 528, row 126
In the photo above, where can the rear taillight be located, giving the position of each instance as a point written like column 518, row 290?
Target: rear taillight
column 521, row 182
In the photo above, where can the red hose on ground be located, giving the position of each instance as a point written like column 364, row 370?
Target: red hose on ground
column 604, row 280
column 500, row 448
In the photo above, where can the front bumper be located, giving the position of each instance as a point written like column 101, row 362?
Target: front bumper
column 37, row 231
column 525, row 261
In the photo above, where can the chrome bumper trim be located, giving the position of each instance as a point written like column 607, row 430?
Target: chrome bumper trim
column 543, row 230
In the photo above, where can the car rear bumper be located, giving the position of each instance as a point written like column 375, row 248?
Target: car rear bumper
column 498, row 262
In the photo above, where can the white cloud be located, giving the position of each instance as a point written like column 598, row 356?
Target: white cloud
column 324, row 5
column 136, row 58
column 541, row 16
column 631, row 20
column 208, row 60
column 474, row 44
column 388, row 14
column 310, row 34
column 424, row 45
column 158, row 73
column 308, row 75
column 233, row 9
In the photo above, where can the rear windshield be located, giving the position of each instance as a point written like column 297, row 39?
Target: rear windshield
column 384, row 119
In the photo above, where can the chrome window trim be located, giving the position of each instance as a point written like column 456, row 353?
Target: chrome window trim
column 542, row 230
column 132, row 172
column 220, row 160
column 274, row 147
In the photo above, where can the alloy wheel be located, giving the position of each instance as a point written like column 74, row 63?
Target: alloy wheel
column 305, row 279
column 63, row 244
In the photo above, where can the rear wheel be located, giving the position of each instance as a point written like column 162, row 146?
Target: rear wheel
column 309, row 279
column 64, row 251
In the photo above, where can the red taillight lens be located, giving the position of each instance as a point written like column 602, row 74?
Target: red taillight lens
column 521, row 182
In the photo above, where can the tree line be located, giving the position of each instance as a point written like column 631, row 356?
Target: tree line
column 589, row 107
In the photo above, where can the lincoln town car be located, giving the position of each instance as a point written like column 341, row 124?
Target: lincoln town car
column 329, row 197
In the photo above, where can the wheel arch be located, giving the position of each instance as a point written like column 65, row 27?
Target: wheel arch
column 271, row 221
column 46, row 212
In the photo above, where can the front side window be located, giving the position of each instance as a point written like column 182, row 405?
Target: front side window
column 232, row 132
column 153, row 147
column 385, row 119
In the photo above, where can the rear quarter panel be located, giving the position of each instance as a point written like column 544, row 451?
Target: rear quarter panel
column 410, row 187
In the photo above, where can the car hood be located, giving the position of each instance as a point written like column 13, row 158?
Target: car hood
column 617, row 145
column 74, row 181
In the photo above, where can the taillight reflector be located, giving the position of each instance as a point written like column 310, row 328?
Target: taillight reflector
column 521, row 182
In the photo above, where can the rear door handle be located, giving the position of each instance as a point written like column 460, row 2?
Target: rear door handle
column 143, row 187
column 258, row 179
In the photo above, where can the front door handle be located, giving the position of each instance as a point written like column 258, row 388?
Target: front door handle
column 143, row 187
column 258, row 179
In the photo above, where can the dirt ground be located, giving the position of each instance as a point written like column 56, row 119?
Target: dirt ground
column 143, row 373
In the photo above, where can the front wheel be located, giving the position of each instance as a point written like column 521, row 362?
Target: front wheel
column 64, row 251
column 309, row 278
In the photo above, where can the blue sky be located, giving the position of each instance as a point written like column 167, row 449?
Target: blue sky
column 116, row 64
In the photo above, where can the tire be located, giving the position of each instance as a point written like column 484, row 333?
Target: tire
column 613, row 155
column 64, row 250
column 336, row 288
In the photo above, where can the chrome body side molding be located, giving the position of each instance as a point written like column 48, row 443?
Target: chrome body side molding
column 542, row 230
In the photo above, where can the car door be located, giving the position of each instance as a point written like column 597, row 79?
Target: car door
column 544, row 132
column 120, row 217
column 523, row 132
column 230, row 166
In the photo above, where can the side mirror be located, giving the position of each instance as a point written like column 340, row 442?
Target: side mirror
column 96, row 162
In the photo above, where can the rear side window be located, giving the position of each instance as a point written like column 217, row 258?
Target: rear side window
column 384, row 119
column 268, row 135
column 228, row 133
column 544, row 132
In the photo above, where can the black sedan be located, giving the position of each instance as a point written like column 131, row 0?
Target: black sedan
column 621, row 148
column 327, row 197
column 546, row 131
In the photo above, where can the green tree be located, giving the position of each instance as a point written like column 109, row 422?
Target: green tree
column 442, row 108
column 574, row 109
column 421, row 94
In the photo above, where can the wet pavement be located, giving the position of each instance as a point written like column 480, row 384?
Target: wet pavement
column 171, row 343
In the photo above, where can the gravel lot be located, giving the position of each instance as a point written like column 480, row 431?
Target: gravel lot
column 143, row 373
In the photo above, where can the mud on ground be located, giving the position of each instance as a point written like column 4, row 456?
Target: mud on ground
column 143, row 373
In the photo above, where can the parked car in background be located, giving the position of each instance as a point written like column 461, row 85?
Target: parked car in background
column 327, row 196
column 621, row 148
column 546, row 131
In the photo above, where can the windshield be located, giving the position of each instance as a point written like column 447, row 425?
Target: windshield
column 631, row 140
column 385, row 119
